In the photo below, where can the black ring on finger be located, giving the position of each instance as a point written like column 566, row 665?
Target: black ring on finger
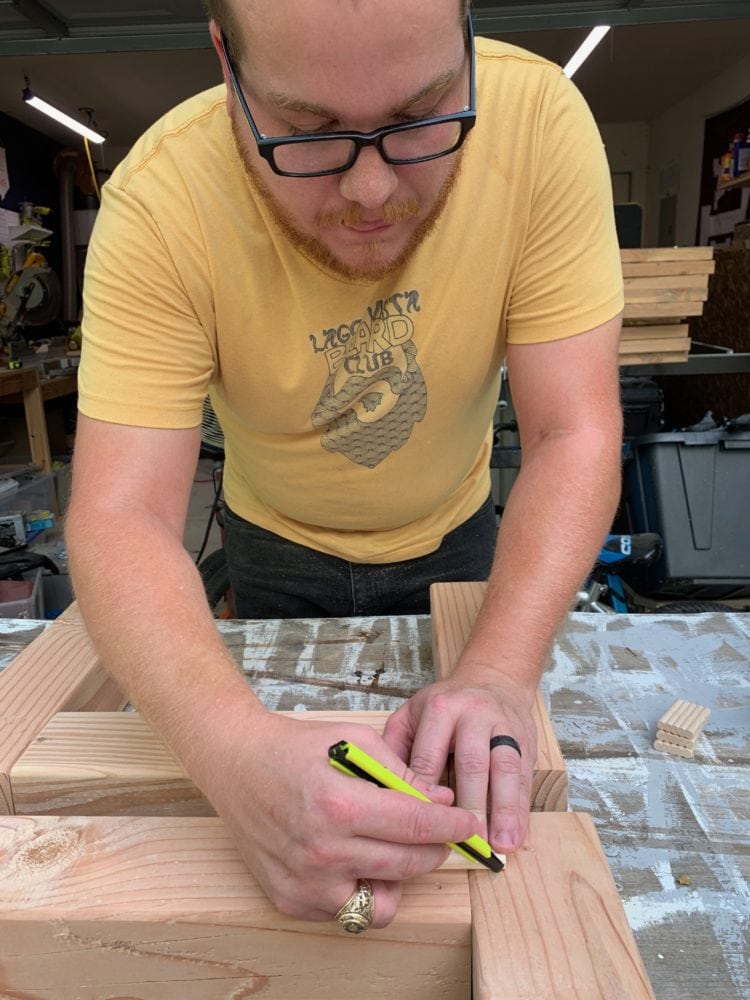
column 505, row 741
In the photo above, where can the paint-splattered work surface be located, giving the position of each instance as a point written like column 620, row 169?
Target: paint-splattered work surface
column 334, row 664
column 15, row 635
column 676, row 832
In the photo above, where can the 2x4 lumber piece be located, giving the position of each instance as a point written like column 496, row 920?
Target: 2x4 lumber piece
column 57, row 671
column 646, row 268
column 662, row 281
column 665, row 282
column 654, row 343
column 114, row 764
column 643, row 254
column 645, row 345
column 659, row 308
column 102, row 764
column 660, row 358
column 672, row 331
column 552, row 925
column 639, row 293
column 454, row 608
column 165, row 909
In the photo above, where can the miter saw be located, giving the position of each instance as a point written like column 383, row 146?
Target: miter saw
column 31, row 297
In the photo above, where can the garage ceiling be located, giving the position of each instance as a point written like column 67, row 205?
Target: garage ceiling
column 130, row 60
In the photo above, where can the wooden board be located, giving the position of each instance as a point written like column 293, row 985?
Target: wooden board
column 113, row 764
column 651, row 254
column 657, row 358
column 163, row 908
column 647, row 268
column 454, row 608
column 674, row 331
column 658, row 308
column 662, row 285
column 661, row 281
column 653, row 345
column 554, row 928
column 675, row 296
column 59, row 670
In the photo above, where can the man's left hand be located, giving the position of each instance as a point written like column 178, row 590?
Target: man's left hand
column 460, row 716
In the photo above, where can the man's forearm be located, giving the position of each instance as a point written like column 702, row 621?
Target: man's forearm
column 143, row 603
column 551, row 530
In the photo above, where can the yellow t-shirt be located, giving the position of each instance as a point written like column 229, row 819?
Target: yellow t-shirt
column 357, row 414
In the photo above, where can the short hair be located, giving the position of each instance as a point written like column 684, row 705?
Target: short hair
column 220, row 11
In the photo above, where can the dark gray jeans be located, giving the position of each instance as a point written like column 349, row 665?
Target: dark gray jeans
column 272, row 577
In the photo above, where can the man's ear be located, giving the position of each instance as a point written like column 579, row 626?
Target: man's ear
column 215, row 33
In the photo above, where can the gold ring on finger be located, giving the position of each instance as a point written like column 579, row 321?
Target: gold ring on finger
column 355, row 916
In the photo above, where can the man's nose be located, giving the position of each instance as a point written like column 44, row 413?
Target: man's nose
column 370, row 182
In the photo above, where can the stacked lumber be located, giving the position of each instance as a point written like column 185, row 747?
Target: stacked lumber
column 677, row 731
column 664, row 286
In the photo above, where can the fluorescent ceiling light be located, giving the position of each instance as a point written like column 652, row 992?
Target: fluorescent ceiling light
column 60, row 116
column 584, row 51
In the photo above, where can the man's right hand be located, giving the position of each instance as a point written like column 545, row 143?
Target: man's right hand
column 308, row 832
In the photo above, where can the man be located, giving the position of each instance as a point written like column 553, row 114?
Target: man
column 348, row 301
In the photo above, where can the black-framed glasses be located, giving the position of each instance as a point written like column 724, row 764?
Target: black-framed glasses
column 335, row 152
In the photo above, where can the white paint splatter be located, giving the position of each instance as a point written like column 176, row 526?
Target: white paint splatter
column 652, row 908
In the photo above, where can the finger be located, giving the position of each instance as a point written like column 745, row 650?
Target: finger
column 387, row 815
column 394, row 862
column 441, row 794
column 434, row 792
column 387, row 898
column 319, row 894
column 507, row 817
column 472, row 765
column 399, row 731
column 432, row 741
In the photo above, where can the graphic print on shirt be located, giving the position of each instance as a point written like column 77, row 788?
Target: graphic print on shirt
column 375, row 391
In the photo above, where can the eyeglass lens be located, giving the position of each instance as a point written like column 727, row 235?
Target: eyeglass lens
column 330, row 154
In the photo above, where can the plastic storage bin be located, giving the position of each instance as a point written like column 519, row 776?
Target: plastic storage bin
column 22, row 598
column 642, row 402
column 36, row 491
column 58, row 593
column 693, row 488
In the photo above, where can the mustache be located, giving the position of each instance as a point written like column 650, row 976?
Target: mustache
column 353, row 215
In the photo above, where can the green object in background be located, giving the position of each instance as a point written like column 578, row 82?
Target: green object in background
column 5, row 267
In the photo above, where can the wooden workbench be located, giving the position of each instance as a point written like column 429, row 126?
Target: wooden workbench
column 24, row 385
column 663, row 821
